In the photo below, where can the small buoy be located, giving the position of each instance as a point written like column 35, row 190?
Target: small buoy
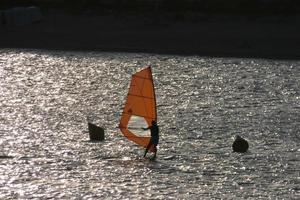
column 240, row 145
column 95, row 132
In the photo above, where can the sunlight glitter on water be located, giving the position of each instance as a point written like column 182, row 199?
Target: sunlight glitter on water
column 203, row 103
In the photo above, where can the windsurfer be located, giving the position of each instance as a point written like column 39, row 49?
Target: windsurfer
column 154, row 138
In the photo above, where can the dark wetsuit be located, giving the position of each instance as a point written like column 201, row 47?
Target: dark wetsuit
column 153, row 140
column 154, row 134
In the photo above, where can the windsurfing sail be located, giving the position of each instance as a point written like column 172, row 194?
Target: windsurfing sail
column 140, row 108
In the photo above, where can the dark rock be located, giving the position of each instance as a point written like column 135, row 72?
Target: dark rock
column 95, row 132
column 240, row 145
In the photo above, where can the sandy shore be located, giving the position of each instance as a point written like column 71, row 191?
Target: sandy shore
column 265, row 37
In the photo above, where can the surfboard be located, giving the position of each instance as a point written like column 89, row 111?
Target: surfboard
column 139, row 108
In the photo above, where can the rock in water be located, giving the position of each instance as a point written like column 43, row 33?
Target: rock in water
column 96, row 132
column 240, row 145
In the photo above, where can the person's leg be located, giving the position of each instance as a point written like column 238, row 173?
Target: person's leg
column 155, row 150
column 146, row 152
column 148, row 147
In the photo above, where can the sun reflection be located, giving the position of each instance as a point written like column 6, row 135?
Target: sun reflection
column 46, row 98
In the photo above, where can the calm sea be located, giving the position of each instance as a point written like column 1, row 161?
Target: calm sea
column 46, row 97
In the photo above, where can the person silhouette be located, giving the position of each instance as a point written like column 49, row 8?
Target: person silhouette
column 154, row 138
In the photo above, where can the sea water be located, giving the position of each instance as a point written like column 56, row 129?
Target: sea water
column 202, row 103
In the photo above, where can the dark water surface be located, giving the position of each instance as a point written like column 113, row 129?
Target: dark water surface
column 202, row 104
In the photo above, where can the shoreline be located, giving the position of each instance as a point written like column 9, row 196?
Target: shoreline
column 221, row 36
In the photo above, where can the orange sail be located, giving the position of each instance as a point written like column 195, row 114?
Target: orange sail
column 140, row 108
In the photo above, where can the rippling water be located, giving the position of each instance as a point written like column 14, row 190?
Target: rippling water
column 202, row 104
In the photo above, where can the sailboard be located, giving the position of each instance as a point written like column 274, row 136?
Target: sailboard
column 139, row 109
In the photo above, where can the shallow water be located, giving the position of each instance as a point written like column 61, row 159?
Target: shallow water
column 202, row 104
